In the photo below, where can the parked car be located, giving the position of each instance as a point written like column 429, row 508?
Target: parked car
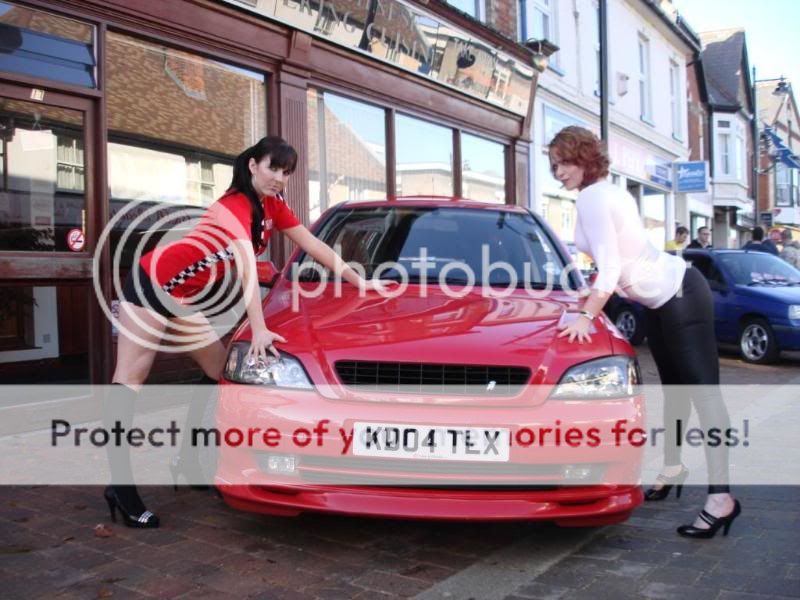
column 756, row 301
column 422, row 363
column 628, row 316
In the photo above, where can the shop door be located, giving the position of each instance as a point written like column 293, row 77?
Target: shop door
column 47, row 216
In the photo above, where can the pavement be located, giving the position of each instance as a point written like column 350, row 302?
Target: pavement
column 50, row 547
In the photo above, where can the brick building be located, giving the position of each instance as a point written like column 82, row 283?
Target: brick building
column 119, row 118
column 779, row 177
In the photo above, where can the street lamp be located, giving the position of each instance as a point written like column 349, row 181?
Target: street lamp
column 541, row 50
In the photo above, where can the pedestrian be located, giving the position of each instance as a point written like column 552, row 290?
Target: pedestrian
column 166, row 287
column 791, row 249
column 679, row 312
column 703, row 239
column 679, row 243
column 759, row 244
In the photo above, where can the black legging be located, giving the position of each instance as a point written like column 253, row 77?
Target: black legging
column 681, row 337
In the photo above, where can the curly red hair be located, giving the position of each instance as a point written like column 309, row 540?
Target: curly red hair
column 579, row 146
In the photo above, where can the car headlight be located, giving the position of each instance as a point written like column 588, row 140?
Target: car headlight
column 609, row 377
column 794, row 311
column 285, row 372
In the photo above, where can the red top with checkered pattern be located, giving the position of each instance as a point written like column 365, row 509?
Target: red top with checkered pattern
column 185, row 267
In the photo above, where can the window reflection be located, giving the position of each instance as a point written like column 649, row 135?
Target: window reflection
column 483, row 170
column 347, row 151
column 43, row 179
column 40, row 44
column 424, row 158
column 43, row 334
column 176, row 121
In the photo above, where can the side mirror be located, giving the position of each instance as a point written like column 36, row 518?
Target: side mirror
column 267, row 273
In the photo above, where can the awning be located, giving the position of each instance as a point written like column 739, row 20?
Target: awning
column 782, row 152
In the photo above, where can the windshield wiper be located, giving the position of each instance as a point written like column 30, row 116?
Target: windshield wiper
column 532, row 285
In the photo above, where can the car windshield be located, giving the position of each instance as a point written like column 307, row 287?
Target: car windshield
column 759, row 268
column 497, row 248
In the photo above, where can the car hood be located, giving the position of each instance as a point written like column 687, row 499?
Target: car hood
column 473, row 330
column 787, row 294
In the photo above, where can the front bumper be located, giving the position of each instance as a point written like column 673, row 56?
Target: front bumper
column 533, row 484
column 787, row 336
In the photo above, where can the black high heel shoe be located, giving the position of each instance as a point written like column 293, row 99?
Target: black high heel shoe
column 656, row 494
column 144, row 520
column 190, row 470
column 714, row 524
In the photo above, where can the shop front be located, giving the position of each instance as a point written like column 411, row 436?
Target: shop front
column 648, row 176
column 120, row 122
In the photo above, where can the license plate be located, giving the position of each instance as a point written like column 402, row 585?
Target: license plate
column 435, row 442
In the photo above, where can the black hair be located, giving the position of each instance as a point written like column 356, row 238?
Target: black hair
column 681, row 230
column 758, row 233
column 281, row 154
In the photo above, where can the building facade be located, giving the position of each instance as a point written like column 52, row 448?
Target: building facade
column 121, row 120
column 728, row 85
column 647, row 56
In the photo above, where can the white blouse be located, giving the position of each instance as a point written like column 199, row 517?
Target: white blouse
column 610, row 230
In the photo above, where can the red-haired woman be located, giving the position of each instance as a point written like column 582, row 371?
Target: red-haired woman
column 679, row 314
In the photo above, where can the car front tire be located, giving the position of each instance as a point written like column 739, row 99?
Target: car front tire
column 757, row 342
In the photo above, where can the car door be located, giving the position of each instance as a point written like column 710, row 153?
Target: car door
column 725, row 327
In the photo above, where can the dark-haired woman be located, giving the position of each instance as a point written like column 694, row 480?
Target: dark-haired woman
column 679, row 314
column 170, row 281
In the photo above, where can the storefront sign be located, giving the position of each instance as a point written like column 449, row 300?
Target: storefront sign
column 691, row 176
column 635, row 160
column 660, row 172
column 408, row 37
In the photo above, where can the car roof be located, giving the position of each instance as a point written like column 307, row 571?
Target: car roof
column 721, row 251
column 434, row 202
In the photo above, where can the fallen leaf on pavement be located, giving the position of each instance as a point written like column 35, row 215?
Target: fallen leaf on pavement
column 102, row 531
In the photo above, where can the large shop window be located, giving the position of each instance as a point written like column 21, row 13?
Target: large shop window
column 654, row 215
column 42, row 177
column 46, row 46
column 483, row 170
column 424, row 158
column 346, row 151
column 176, row 121
column 43, row 333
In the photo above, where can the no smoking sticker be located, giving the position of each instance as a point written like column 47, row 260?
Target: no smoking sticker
column 75, row 240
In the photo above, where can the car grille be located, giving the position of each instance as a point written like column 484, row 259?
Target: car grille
column 433, row 378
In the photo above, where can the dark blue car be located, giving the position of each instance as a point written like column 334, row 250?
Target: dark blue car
column 756, row 303
column 756, row 300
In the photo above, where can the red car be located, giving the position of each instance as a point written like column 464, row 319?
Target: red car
column 454, row 399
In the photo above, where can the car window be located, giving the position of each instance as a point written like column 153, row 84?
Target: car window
column 759, row 268
column 513, row 244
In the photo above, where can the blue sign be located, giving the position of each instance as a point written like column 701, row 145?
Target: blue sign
column 691, row 176
column 661, row 173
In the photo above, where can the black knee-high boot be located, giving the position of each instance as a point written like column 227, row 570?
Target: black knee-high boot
column 187, row 462
column 122, row 494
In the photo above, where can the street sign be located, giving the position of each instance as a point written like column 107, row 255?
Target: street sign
column 691, row 176
column 765, row 216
